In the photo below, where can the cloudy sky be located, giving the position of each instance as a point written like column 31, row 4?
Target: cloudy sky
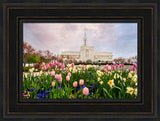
column 118, row 38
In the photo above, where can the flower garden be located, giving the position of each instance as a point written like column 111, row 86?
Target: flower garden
column 57, row 81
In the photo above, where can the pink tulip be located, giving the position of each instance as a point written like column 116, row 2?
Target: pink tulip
column 75, row 84
column 81, row 82
column 62, row 66
column 45, row 67
column 50, row 64
column 52, row 73
column 59, row 76
column 113, row 68
column 42, row 68
column 56, row 76
column 85, row 91
column 66, row 68
column 69, row 74
column 55, row 62
column 102, row 68
column 105, row 70
column 72, row 64
column 135, row 65
column 60, row 79
column 109, row 68
column 111, row 65
column 133, row 68
column 129, row 69
column 67, row 78
column 122, row 65
column 59, row 64
column 43, row 64
column 116, row 65
column 55, row 66
column 106, row 66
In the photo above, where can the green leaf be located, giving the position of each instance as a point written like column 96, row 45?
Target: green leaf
column 117, row 87
column 107, row 93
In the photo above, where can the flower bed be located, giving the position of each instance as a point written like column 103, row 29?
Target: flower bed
column 55, row 81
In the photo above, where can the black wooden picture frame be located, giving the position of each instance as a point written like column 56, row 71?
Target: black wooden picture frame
column 14, row 13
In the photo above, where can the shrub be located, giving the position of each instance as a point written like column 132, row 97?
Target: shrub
column 89, row 61
column 37, row 65
column 26, row 69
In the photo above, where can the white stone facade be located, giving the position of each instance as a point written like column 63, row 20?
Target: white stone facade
column 88, row 53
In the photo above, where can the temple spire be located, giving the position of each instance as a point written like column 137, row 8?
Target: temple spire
column 85, row 38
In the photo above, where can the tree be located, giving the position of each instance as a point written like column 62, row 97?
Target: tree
column 36, row 59
column 33, row 59
column 27, row 50
column 119, row 60
column 30, row 55
column 134, row 59
column 108, row 62
column 115, row 60
column 129, row 60
column 40, row 54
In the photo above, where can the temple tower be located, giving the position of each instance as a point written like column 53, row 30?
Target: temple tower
column 85, row 39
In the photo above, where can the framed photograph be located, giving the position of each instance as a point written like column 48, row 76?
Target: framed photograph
column 80, row 60
column 57, row 73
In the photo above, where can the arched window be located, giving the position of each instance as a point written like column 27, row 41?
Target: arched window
column 87, row 53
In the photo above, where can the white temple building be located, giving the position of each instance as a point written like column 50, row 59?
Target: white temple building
column 88, row 53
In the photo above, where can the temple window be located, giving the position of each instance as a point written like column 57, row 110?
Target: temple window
column 87, row 53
